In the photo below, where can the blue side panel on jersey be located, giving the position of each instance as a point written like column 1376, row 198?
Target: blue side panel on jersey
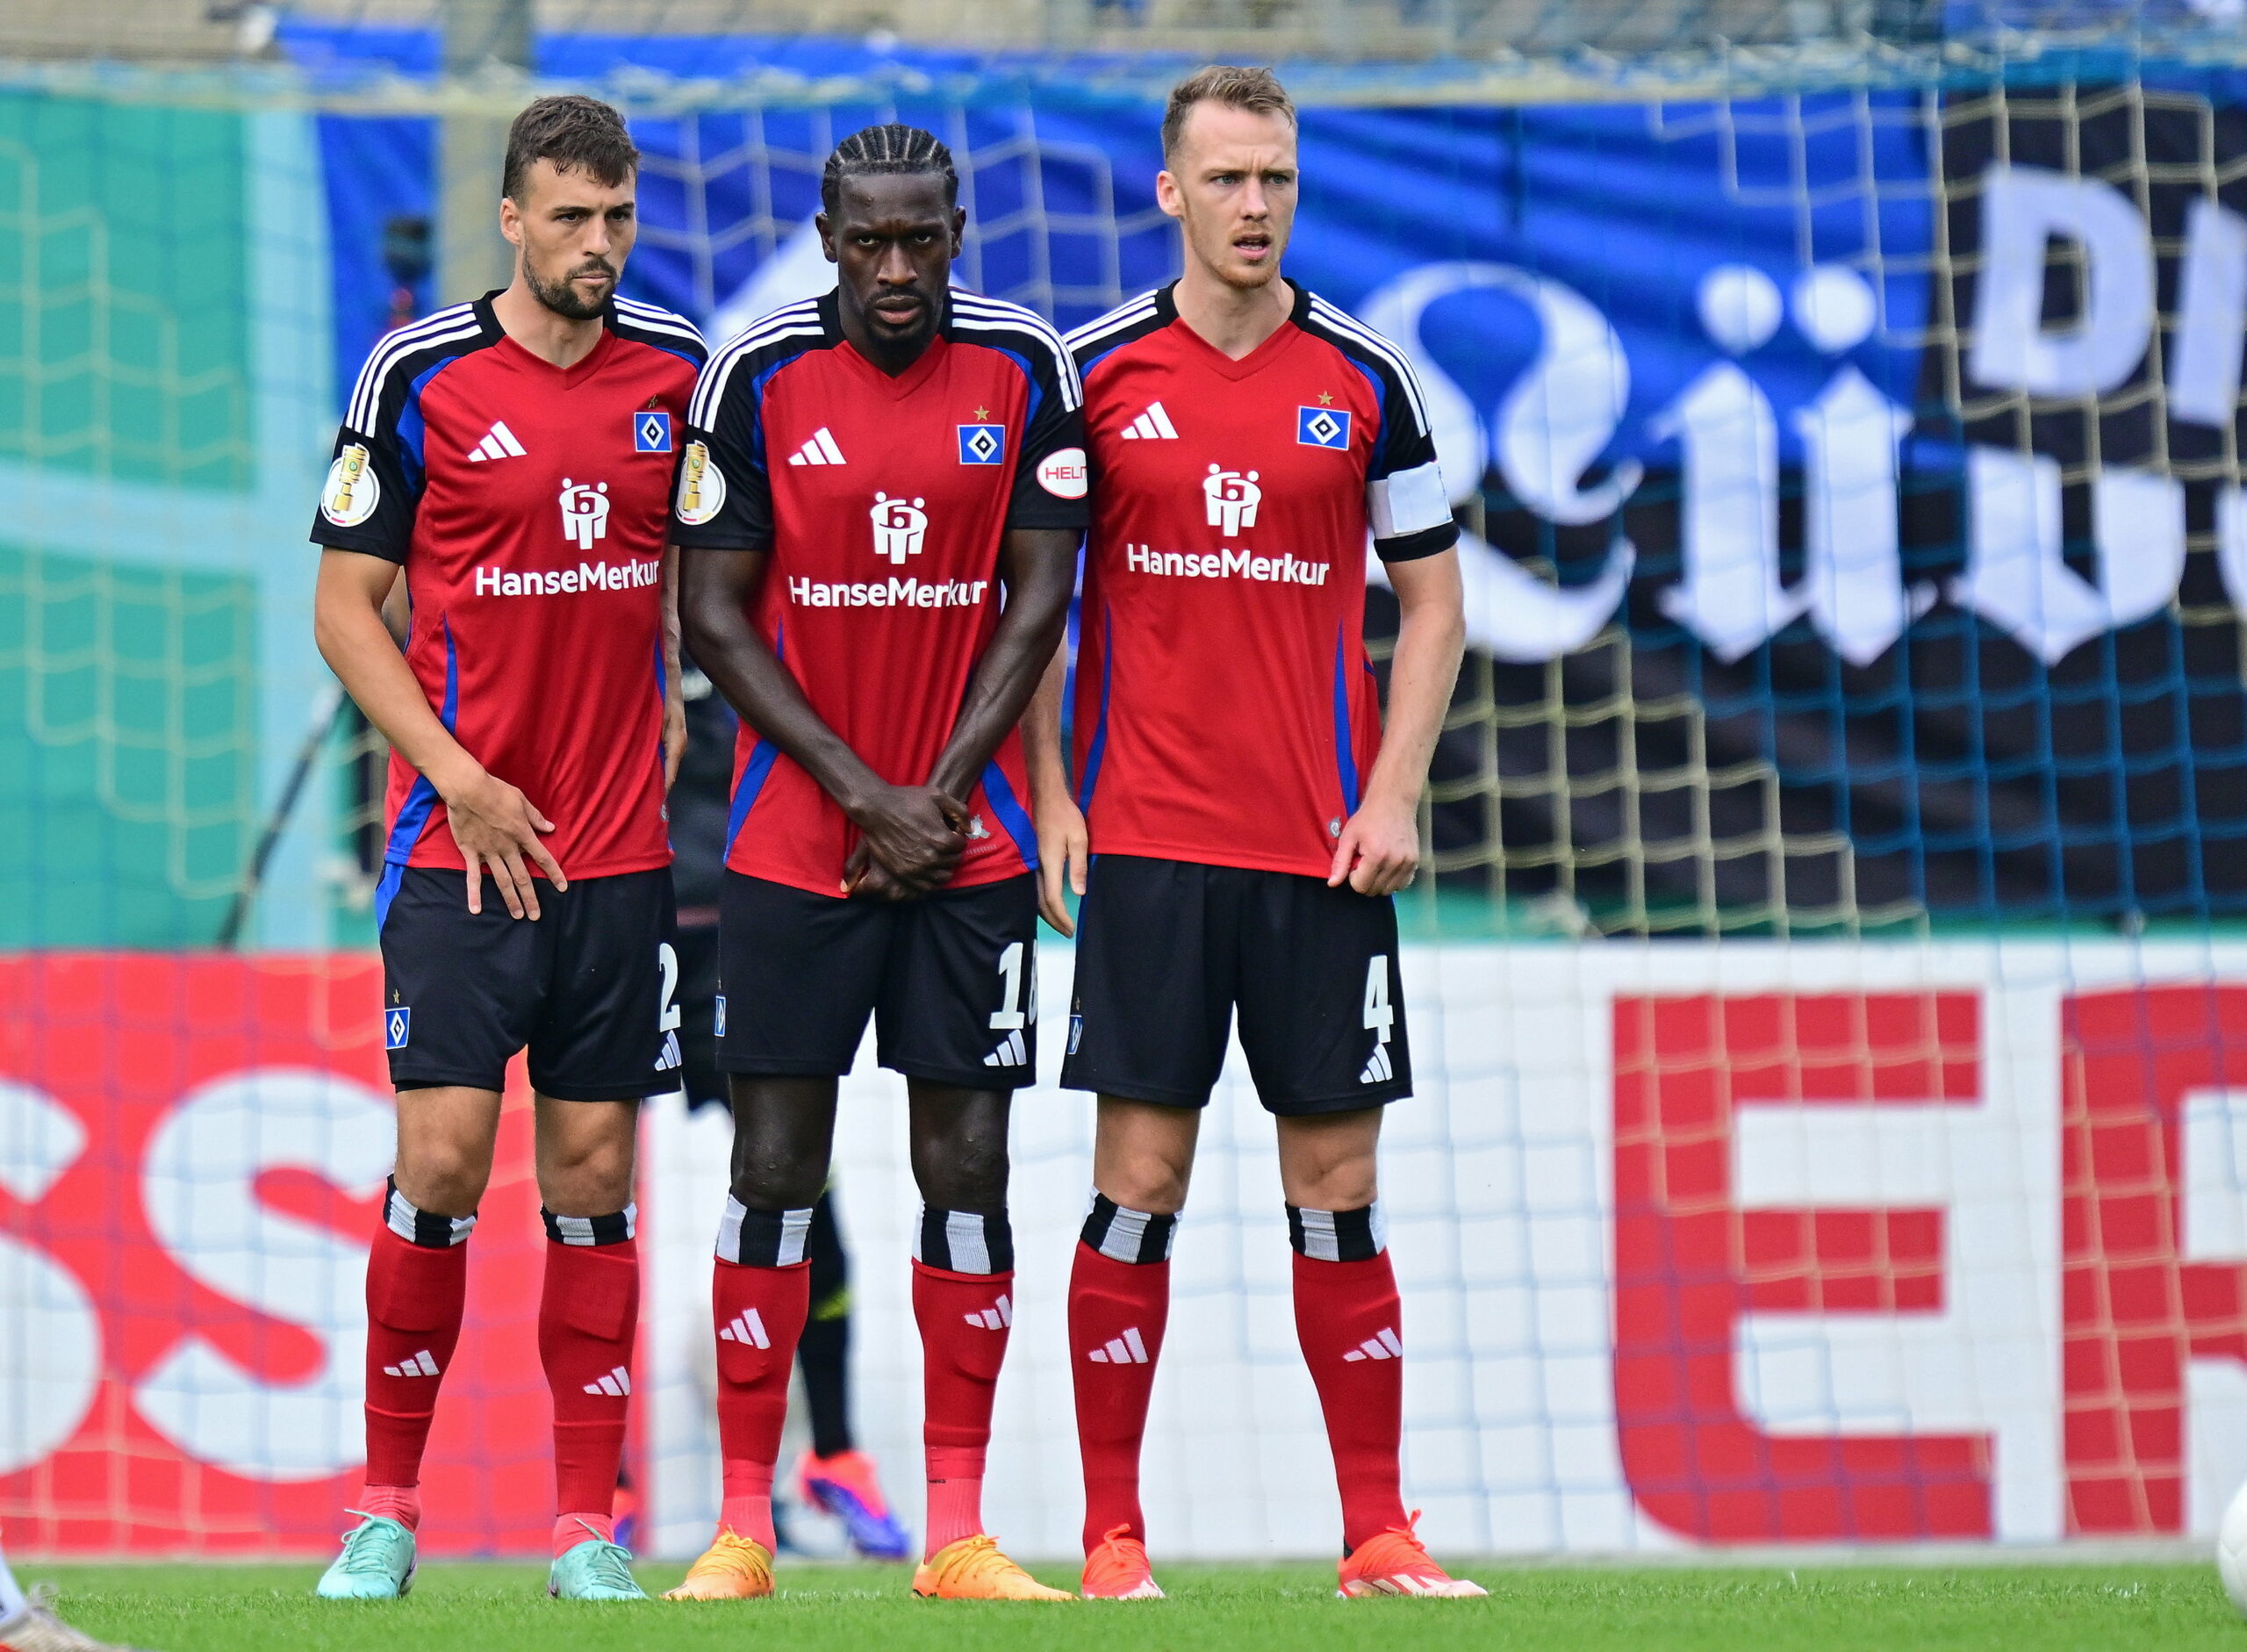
column 411, row 428
column 1099, row 748
column 1379, row 400
column 756, row 770
column 756, row 408
column 413, row 814
column 1346, row 759
column 1011, row 814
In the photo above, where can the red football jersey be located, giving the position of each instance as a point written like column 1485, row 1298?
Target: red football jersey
column 882, row 501
column 1227, row 713
column 530, row 507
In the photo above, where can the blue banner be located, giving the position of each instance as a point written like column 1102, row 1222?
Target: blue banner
column 1867, row 458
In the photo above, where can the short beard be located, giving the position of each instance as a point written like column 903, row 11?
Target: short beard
column 561, row 297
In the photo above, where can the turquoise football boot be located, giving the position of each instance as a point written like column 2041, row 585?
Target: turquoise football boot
column 595, row 1569
column 377, row 1562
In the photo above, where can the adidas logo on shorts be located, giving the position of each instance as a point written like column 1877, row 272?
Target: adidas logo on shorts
column 1012, row 1051
column 1127, row 1349
column 746, row 1329
column 997, row 1318
column 420, row 1365
column 1387, row 1346
column 1380, row 1070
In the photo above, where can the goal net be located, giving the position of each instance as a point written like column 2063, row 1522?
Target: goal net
column 1825, row 987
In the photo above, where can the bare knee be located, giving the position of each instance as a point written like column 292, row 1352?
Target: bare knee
column 1330, row 1162
column 585, row 1156
column 443, row 1175
column 959, row 1147
column 784, row 1137
column 1142, row 1155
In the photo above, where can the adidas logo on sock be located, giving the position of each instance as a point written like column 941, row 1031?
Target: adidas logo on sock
column 821, row 449
column 1387, row 1346
column 499, row 443
column 616, row 1384
column 1152, row 425
column 1012, row 1051
column 746, row 1328
column 1127, row 1349
column 994, row 1318
column 1378, row 1071
column 420, row 1365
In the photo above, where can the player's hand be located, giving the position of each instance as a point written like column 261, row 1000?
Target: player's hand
column 674, row 737
column 1064, row 848
column 1379, row 850
column 498, row 830
column 915, row 834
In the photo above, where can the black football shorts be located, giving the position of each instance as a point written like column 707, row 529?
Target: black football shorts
column 589, row 986
column 1166, row 950
column 950, row 980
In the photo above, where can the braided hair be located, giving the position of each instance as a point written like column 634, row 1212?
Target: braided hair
column 887, row 150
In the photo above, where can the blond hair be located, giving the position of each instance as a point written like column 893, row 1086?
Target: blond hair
column 1257, row 90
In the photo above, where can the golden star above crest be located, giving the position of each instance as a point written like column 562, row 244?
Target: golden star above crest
column 1325, row 401
column 981, row 414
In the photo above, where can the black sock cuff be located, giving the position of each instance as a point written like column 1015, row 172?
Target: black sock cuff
column 1127, row 1236
column 588, row 1230
column 1338, row 1236
column 425, row 1228
column 965, row 1241
column 763, row 1238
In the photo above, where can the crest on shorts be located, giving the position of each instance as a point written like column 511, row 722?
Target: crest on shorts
column 398, row 1027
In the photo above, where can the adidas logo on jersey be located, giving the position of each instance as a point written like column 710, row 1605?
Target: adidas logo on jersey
column 821, row 449
column 420, row 1365
column 616, row 1384
column 996, row 1317
column 499, row 443
column 1152, row 425
column 1379, row 1070
column 746, row 1329
column 1127, row 1349
column 1387, row 1346
column 1012, row 1051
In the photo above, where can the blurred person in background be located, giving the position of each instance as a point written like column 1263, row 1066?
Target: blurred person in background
column 834, row 1474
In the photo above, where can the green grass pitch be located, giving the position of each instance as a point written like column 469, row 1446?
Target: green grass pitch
column 1880, row 1608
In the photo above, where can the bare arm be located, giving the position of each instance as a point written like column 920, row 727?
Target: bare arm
column 1380, row 848
column 495, row 825
column 915, row 831
column 1063, row 844
column 674, row 688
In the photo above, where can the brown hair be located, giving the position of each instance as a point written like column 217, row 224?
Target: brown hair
column 577, row 134
column 1257, row 90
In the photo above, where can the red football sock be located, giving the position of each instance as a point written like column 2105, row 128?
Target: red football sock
column 588, row 1319
column 1116, row 1309
column 414, row 1297
column 964, row 1319
column 400, row 1502
column 759, row 1313
column 1346, row 1321
column 569, row 1530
